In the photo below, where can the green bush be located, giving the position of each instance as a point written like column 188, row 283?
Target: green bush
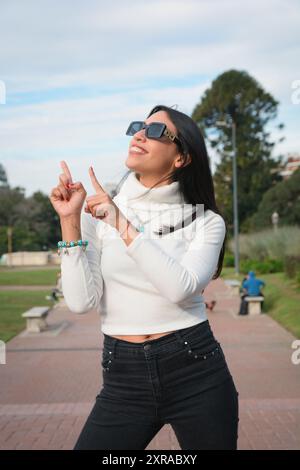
column 262, row 267
column 268, row 251
column 269, row 244
column 292, row 265
column 228, row 260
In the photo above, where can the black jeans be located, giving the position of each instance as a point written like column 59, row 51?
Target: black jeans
column 181, row 378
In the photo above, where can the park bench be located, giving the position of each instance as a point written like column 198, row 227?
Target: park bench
column 254, row 304
column 234, row 285
column 36, row 319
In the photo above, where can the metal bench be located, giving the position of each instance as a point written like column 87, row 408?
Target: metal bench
column 254, row 304
column 234, row 285
column 36, row 319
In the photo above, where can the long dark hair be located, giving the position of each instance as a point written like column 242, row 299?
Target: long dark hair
column 195, row 178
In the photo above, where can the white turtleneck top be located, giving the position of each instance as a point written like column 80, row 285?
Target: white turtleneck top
column 155, row 284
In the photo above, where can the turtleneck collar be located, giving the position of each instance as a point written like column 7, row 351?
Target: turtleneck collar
column 135, row 193
column 166, row 203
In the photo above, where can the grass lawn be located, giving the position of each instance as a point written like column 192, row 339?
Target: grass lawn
column 282, row 298
column 34, row 277
column 13, row 304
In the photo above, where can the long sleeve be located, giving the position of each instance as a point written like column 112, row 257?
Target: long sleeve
column 178, row 280
column 82, row 282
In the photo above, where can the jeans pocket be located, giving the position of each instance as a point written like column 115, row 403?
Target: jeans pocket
column 206, row 354
column 200, row 364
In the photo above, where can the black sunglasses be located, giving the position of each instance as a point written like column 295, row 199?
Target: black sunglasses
column 154, row 130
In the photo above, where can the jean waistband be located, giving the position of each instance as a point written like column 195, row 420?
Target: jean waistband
column 190, row 333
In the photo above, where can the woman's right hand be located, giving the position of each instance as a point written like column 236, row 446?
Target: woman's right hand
column 67, row 197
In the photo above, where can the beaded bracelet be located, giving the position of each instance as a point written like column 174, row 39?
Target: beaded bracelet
column 62, row 245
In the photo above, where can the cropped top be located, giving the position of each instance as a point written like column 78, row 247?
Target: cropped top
column 155, row 284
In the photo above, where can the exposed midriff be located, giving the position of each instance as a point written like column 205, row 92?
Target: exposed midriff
column 141, row 338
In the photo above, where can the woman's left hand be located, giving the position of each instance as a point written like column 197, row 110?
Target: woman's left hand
column 102, row 207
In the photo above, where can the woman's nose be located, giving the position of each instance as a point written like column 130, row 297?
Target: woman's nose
column 140, row 135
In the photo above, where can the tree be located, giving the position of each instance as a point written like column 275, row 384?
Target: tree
column 10, row 201
column 3, row 176
column 283, row 198
column 34, row 222
column 45, row 220
column 39, row 219
column 237, row 96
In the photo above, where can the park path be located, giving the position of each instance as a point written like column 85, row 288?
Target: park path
column 48, row 384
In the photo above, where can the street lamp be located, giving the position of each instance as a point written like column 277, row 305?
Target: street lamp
column 235, row 204
column 275, row 219
column 9, row 244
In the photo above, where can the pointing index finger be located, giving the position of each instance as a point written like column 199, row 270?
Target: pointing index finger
column 97, row 186
column 66, row 170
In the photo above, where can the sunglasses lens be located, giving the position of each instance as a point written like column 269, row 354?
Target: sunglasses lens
column 155, row 130
column 134, row 127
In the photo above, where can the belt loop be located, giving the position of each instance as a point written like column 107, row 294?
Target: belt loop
column 113, row 347
column 179, row 336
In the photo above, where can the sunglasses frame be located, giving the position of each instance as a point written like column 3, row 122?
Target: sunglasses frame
column 165, row 131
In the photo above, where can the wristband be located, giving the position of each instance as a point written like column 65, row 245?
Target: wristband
column 63, row 246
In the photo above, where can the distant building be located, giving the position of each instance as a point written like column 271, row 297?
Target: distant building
column 288, row 167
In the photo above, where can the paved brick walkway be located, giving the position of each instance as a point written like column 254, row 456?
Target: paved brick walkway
column 49, row 383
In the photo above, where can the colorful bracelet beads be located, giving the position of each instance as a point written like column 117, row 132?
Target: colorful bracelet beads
column 63, row 246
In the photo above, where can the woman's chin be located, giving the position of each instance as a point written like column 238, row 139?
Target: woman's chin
column 131, row 164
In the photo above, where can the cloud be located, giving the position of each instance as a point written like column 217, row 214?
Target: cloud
column 77, row 73
column 86, row 122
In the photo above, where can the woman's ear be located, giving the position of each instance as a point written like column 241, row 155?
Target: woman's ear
column 180, row 161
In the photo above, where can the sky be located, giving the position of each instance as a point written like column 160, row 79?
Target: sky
column 74, row 74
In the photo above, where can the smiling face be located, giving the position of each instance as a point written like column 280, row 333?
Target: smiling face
column 159, row 157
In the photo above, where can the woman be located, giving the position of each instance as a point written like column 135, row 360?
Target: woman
column 161, row 362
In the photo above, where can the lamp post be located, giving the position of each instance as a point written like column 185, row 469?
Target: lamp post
column 235, row 203
column 9, row 244
column 275, row 219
